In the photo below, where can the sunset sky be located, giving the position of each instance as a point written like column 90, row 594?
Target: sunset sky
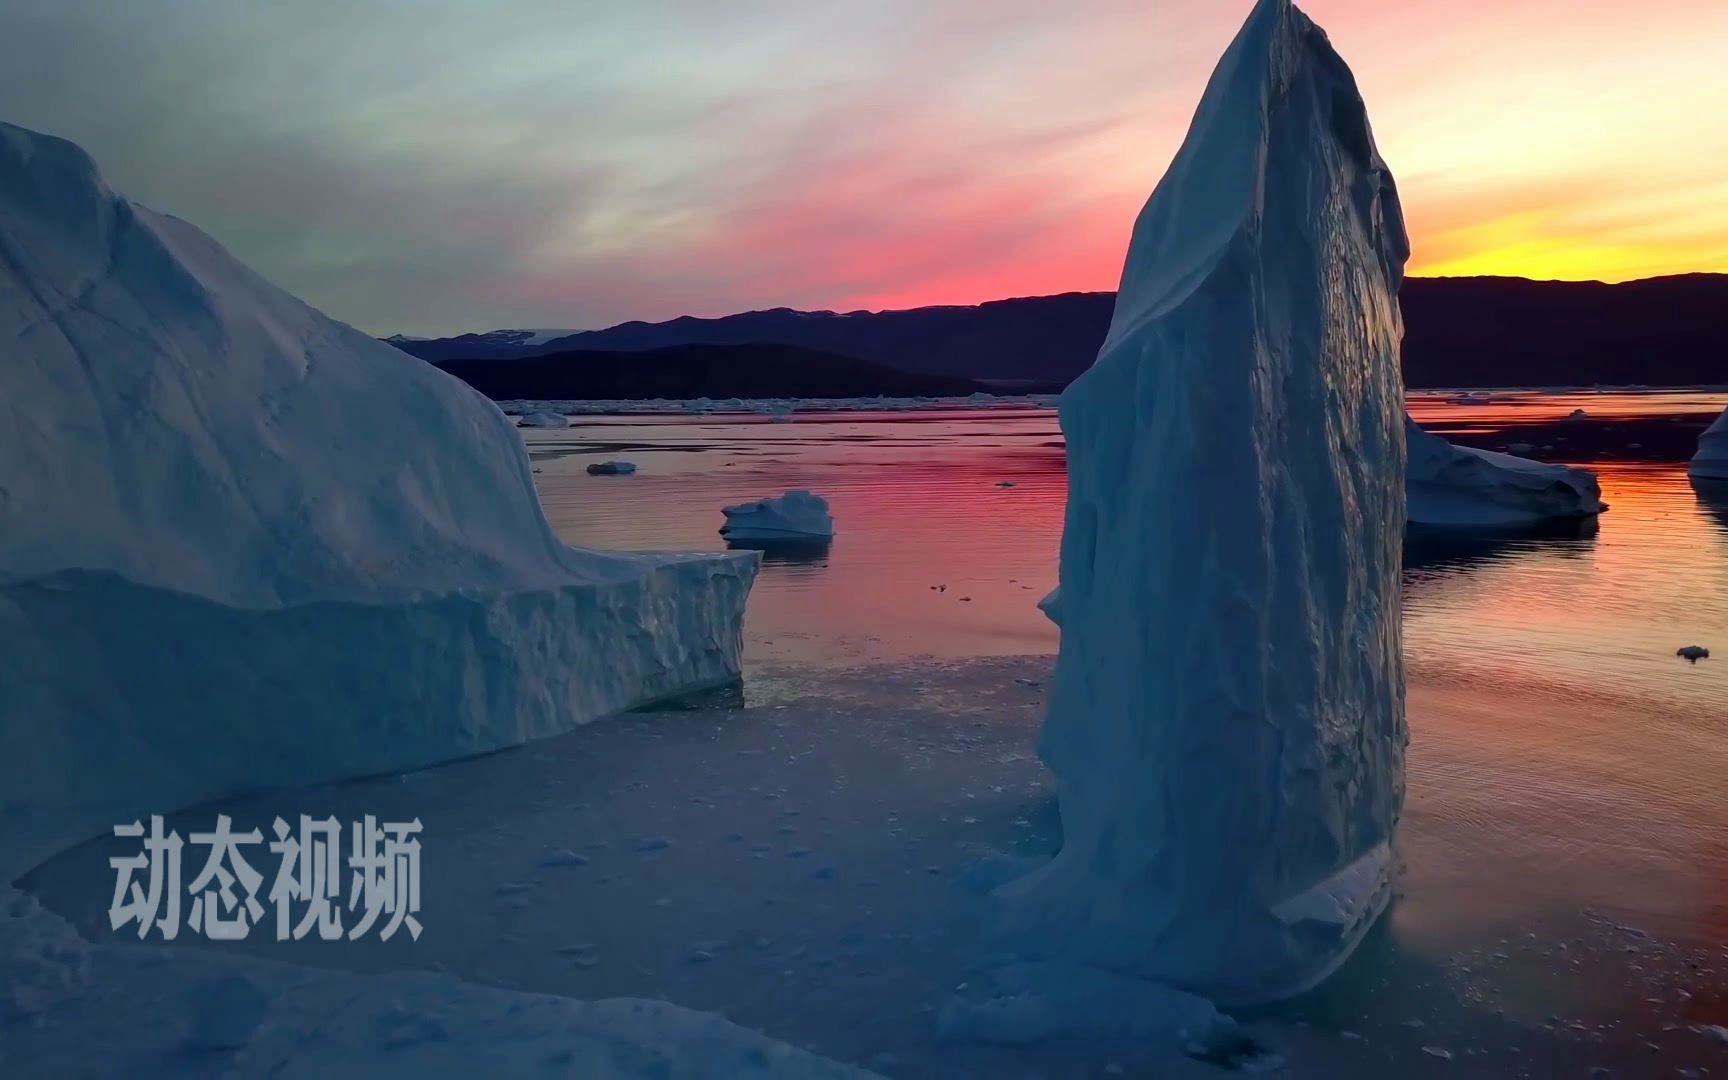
column 433, row 168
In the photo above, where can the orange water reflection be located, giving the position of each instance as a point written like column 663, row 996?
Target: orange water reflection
column 1562, row 754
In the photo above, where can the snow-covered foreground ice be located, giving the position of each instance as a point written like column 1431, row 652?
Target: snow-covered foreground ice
column 1711, row 460
column 815, row 866
column 72, row 1010
column 1227, row 718
column 1461, row 486
column 796, row 515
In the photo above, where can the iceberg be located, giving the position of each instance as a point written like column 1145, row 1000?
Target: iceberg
column 1711, row 460
column 544, row 420
column 1226, row 721
column 245, row 546
column 1462, row 487
column 796, row 515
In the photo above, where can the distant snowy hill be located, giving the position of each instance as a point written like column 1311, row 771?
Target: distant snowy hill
column 1482, row 331
column 492, row 343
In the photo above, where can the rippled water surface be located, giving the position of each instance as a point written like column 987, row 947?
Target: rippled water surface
column 917, row 501
column 949, row 523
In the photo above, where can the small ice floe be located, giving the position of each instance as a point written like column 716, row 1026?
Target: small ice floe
column 1693, row 653
column 1004, row 483
column 1713, row 1032
column 1438, row 1052
column 1461, row 487
column 1577, row 414
column 650, row 844
column 564, row 857
column 611, row 468
column 544, row 420
column 798, row 515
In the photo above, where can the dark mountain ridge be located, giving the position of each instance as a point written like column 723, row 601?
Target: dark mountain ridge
column 1478, row 331
column 692, row 371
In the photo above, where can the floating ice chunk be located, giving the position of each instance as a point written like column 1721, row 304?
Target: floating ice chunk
column 1226, row 720
column 611, row 468
column 1693, row 653
column 796, row 515
column 1464, row 487
column 545, row 420
column 288, row 597
column 1711, row 460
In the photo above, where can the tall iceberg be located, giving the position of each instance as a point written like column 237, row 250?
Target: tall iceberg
column 1460, row 486
column 1226, row 721
column 243, row 545
column 1711, row 460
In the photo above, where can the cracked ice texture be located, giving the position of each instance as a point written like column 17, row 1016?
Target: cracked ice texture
column 1227, row 716
column 243, row 545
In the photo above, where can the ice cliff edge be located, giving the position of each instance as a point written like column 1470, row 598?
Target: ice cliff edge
column 1226, row 720
column 243, row 545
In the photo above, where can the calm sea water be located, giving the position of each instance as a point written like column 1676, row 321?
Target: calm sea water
column 949, row 522
column 1553, row 727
